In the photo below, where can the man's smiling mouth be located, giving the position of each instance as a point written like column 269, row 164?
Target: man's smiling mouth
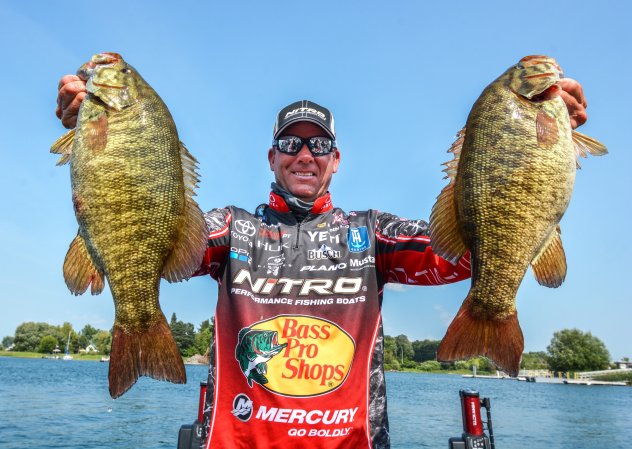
column 304, row 174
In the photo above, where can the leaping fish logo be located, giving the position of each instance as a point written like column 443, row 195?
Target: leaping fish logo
column 254, row 349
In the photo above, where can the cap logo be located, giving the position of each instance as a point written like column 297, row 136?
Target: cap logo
column 305, row 111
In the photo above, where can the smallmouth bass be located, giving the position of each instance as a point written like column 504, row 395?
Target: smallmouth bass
column 510, row 183
column 132, row 190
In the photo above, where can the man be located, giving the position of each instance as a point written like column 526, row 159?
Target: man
column 297, row 356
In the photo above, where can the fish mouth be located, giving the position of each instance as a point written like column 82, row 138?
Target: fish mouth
column 108, row 86
column 532, row 60
column 100, row 59
column 548, row 94
column 274, row 348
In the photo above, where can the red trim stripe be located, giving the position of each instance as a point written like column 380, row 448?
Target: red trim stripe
column 223, row 231
column 402, row 238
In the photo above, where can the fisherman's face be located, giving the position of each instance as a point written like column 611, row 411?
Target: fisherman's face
column 303, row 175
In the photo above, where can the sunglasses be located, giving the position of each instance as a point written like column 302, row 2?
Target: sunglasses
column 318, row 146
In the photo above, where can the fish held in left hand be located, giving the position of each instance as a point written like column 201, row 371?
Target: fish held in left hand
column 510, row 183
column 132, row 189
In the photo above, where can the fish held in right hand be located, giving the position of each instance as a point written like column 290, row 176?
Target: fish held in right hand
column 511, row 181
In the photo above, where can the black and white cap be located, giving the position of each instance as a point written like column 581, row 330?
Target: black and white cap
column 304, row 111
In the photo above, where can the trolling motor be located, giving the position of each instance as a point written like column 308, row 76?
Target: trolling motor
column 473, row 436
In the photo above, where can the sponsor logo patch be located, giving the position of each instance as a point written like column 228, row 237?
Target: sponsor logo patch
column 242, row 407
column 239, row 254
column 324, row 252
column 295, row 355
column 304, row 287
column 338, row 266
column 305, row 110
column 245, row 227
column 358, row 239
column 275, row 263
column 368, row 261
column 255, row 347
column 340, row 219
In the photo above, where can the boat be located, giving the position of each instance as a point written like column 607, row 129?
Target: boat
column 67, row 355
column 593, row 382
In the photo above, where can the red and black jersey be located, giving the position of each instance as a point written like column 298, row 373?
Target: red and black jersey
column 297, row 356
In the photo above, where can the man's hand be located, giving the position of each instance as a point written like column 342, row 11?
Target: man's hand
column 573, row 95
column 72, row 91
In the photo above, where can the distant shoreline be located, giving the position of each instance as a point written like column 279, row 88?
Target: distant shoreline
column 97, row 358
column 38, row 355
column 79, row 357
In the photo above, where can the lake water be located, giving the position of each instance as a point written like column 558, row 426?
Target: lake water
column 56, row 404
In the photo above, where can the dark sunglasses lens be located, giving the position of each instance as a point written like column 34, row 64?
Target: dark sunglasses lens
column 290, row 144
column 320, row 145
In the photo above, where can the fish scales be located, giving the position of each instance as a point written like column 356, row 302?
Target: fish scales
column 132, row 183
column 513, row 192
column 515, row 169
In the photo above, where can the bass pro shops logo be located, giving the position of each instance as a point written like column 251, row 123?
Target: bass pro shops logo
column 255, row 348
column 295, row 355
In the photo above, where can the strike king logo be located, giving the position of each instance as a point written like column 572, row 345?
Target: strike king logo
column 295, row 355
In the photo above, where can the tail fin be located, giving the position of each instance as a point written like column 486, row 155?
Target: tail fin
column 152, row 353
column 501, row 341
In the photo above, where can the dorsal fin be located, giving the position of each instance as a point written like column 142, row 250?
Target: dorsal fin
column 188, row 251
column 445, row 237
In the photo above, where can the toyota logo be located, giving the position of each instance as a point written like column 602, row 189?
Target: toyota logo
column 245, row 227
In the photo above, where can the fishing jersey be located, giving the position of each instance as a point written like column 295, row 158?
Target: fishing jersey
column 297, row 355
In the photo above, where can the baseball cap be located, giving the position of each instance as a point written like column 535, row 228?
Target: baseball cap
column 304, row 111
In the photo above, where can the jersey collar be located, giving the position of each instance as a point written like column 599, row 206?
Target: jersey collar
column 321, row 205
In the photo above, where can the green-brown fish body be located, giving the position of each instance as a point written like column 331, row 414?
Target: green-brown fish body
column 512, row 180
column 132, row 188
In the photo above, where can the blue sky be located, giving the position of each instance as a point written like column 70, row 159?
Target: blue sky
column 400, row 77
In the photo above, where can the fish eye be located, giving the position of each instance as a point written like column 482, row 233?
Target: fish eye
column 126, row 70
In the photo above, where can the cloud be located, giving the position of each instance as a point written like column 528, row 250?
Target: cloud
column 397, row 287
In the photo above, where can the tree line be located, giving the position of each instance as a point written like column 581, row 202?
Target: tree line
column 45, row 338
column 569, row 350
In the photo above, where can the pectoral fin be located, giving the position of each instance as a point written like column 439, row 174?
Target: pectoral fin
column 187, row 254
column 63, row 146
column 445, row 236
column 584, row 144
column 96, row 132
column 80, row 270
column 549, row 265
column 546, row 129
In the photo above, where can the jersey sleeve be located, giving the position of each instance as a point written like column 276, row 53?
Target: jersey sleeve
column 218, row 225
column 404, row 254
